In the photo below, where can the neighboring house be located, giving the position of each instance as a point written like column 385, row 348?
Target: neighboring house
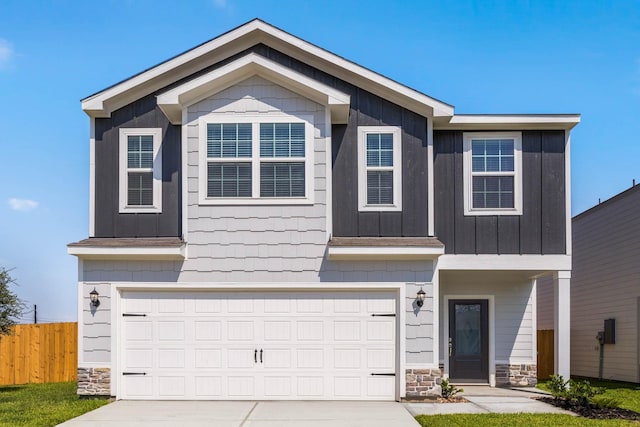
column 272, row 221
column 605, row 286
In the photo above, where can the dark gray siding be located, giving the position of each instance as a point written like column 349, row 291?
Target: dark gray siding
column 541, row 227
column 108, row 221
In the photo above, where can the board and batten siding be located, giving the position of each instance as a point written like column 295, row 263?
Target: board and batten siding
column 541, row 227
column 143, row 113
column 513, row 310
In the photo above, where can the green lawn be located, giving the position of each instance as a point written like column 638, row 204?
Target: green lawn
column 628, row 394
column 42, row 405
column 528, row 420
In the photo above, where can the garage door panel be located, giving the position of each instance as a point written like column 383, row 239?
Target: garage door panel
column 241, row 386
column 140, row 331
column 277, row 330
column 138, row 386
column 210, row 330
column 347, row 386
column 310, row 358
column 347, row 330
column 139, row 358
column 208, row 386
column 241, row 357
column 170, row 305
column 316, row 345
column 170, row 330
column 277, row 386
column 381, row 329
column 208, row 358
column 171, row 358
column 381, row 359
column 310, row 330
column 240, row 330
column 208, row 304
column 171, row 386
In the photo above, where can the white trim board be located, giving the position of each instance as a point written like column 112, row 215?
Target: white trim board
column 497, row 122
column 505, row 262
column 134, row 253
column 349, row 253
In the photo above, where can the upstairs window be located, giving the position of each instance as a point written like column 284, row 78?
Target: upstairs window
column 261, row 160
column 140, row 174
column 493, row 173
column 379, row 168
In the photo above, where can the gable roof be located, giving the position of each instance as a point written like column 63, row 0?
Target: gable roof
column 102, row 103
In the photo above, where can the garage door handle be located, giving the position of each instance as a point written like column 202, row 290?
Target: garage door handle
column 260, row 355
column 255, row 356
column 134, row 373
column 383, row 375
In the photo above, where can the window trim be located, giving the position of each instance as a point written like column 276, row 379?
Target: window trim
column 256, row 160
column 156, row 206
column 363, row 131
column 469, row 210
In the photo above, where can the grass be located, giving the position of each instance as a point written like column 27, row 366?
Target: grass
column 627, row 393
column 529, row 420
column 43, row 405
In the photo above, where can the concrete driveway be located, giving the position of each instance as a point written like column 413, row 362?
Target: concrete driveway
column 125, row 413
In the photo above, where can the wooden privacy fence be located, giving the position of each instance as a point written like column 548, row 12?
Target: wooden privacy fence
column 44, row 353
column 545, row 353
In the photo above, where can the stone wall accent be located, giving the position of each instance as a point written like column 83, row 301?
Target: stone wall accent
column 516, row 375
column 423, row 382
column 94, row 381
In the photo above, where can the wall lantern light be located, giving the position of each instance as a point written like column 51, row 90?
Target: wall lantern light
column 93, row 296
column 420, row 298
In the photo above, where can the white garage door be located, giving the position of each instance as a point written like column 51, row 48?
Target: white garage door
column 271, row 345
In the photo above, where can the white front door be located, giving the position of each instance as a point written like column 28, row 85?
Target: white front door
column 269, row 345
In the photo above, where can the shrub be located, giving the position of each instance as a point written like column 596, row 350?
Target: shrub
column 558, row 387
column 582, row 392
column 449, row 390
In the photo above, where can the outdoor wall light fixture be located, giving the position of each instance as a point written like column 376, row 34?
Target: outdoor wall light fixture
column 93, row 297
column 420, row 297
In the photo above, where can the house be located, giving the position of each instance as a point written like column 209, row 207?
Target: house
column 269, row 220
column 605, row 290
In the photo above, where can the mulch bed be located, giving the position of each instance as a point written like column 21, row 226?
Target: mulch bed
column 592, row 411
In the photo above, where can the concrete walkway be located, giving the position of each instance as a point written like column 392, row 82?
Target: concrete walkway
column 483, row 399
column 126, row 413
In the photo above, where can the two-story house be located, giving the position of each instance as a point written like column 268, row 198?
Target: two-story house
column 269, row 220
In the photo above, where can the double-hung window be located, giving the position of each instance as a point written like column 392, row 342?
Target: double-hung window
column 379, row 168
column 493, row 173
column 140, row 177
column 256, row 160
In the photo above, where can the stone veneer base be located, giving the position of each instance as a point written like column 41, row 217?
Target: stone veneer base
column 423, row 382
column 94, row 381
column 516, row 375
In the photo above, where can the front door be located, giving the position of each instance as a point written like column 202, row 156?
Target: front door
column 468, row 340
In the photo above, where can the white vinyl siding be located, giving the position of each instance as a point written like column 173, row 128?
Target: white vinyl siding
column 493, row 173
column 140, row 173
column 379, row 168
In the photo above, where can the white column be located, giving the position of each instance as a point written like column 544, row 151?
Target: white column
column 562, row 322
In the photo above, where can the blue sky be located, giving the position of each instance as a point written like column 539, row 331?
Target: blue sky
column 578, row 56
